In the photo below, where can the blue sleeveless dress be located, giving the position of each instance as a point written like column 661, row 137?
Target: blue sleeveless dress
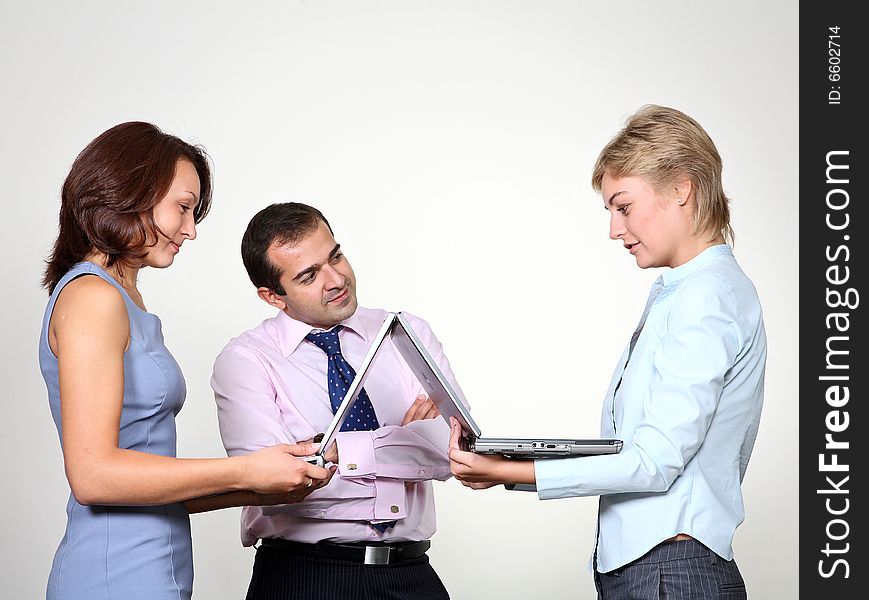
column 126, row 552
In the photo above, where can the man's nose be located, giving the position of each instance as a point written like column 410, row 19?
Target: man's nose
column 334, row 279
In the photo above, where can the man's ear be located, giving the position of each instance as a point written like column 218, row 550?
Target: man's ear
column 271, row 298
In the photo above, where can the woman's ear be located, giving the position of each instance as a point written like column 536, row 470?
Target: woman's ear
column 683, row 191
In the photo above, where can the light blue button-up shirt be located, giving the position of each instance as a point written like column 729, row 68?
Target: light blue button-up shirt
column 687, row 403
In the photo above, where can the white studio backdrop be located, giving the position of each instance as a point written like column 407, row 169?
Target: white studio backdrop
column 450, row 144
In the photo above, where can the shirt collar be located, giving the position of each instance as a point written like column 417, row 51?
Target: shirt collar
column 682, row 271
column 290, row 332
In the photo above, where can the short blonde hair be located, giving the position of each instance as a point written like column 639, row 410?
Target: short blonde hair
column 663, row 146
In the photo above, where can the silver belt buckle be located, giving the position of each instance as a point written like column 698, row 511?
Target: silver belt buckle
column 377, row 555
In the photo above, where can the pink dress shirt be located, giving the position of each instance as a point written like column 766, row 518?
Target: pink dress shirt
column 270, row 387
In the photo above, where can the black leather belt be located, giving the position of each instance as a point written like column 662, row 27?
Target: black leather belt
column 367, row 554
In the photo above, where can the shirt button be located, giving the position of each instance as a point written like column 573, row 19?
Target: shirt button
column 352, row 466
column 421, row 472
column 322, row 513
column 393, row 508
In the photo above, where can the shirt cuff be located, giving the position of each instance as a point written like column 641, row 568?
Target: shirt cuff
column 356, row 454
column 555, row 478
column 391, row 500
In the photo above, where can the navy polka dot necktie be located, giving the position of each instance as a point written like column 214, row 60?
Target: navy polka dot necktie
column 340, row 375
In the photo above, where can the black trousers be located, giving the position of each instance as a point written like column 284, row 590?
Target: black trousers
column 683, row 570
column 282, row 574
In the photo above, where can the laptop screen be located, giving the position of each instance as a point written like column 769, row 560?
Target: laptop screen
column 430, row 376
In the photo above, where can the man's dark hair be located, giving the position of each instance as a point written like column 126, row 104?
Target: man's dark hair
column 280, row 224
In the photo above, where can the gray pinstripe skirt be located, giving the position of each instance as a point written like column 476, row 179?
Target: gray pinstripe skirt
column 682, row 570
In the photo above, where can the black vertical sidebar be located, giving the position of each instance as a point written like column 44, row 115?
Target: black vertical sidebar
column 833, row 366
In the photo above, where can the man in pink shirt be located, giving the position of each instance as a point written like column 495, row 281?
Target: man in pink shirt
column 366, row 532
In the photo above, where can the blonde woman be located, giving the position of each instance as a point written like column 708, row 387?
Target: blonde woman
column 687, row 392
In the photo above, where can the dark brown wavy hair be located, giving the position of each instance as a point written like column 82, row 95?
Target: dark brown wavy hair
column 108, row 197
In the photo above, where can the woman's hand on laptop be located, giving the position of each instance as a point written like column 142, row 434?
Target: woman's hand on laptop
column 310, row 447
column 481, row 471
column 295, row 496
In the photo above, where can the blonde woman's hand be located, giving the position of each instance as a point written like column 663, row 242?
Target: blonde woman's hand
column 481, row 471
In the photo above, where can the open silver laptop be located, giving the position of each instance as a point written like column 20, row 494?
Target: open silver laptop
column 449, row 404
column 399, row 330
